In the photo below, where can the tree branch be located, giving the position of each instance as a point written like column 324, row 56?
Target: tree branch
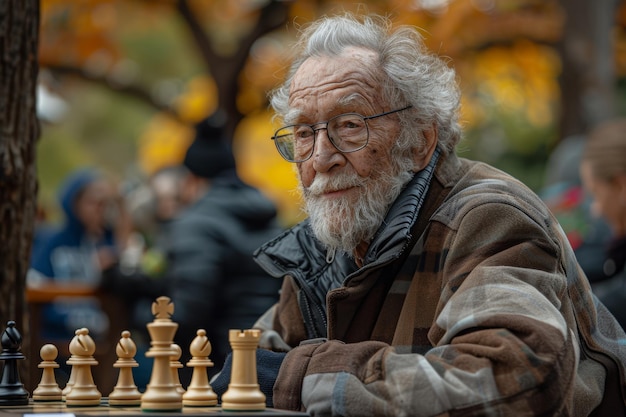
column 198, row 33
column 133, row 91
column 272, row 16
column 225, row 70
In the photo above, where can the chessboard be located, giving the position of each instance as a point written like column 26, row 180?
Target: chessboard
column 164, row 394
column 60, row 409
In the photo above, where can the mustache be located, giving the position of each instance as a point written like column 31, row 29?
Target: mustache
column 328, row 183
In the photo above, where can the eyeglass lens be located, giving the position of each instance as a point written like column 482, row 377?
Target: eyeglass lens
column 347, row 132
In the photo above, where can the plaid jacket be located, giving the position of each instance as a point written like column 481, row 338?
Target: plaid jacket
column 474, row 307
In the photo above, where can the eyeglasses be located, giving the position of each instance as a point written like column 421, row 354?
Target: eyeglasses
column 347, row 132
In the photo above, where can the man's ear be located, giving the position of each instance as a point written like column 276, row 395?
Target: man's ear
column 422, row 154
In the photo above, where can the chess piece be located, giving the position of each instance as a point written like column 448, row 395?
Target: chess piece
column 243, row 392
column 84, row 391
column 175, row 365
column 161, row 393
column 12, row 391
column 48, row 389
column 125, row 391
column 72, row 378
column 199, row 392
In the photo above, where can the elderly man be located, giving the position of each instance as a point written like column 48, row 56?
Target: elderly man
column 421, row 283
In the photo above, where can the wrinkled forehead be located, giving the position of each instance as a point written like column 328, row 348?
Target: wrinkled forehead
column 350, row 76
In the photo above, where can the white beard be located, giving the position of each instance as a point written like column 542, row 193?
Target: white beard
column 342, row 224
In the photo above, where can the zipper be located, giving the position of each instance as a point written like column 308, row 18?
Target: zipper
column 310, row 309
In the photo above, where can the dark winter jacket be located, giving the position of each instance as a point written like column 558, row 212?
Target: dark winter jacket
column 214, row 282
column 612, row 290
column 472, row 306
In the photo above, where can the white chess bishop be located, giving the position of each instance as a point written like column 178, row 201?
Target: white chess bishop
column 200, row 392
column 84, row 392
column 125, row 392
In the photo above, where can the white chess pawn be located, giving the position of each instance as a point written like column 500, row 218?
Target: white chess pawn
column 175, row 365
column 125, row 391
column 72, row 378
column 84, row 391
column 200, row 393
column 48, row 389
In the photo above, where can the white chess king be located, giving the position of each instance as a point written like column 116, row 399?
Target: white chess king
column 161, row 392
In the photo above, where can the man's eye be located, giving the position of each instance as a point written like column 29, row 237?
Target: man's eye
column 303, row 132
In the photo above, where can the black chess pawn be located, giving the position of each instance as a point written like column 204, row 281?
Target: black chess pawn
column 12, row 391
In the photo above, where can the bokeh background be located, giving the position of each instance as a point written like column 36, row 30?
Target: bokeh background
column 122, row 82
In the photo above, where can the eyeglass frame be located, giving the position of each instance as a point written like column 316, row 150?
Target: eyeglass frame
column 312, row 126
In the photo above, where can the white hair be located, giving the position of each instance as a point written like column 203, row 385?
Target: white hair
column 413, row 75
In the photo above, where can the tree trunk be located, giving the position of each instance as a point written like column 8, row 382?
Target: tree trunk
column 587, row 54
column 19, row 132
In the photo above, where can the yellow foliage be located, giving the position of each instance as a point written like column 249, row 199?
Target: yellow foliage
column 266, row 68
column 259, row 164
column 163, row 143
column 521, row 78
column 198, row 99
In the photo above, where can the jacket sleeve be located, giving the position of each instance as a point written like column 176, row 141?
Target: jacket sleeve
column 287, row 317
column 501, row 345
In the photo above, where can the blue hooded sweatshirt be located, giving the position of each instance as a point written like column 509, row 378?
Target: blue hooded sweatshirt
column 67, row 253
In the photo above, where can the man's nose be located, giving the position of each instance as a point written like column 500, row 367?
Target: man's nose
column 325, row 154
column 322, row 142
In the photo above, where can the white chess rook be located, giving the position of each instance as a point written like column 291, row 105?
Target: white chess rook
column 243, row 392
column 161, row 393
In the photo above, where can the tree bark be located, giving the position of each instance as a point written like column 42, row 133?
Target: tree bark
column 19, row 132
column 587, row 53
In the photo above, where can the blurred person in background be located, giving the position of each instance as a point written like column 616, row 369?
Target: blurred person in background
column 137, row 278
column 211, row 276
column 151, row 206
column 85, row 244
column 196, row 226
column 76, row 252
column 166, row 183
column 564, row 194
column 603, row 172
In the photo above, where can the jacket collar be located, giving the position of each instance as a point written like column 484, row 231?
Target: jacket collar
column 296, row 250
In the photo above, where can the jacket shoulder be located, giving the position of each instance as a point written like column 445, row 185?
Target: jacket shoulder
column 480, row 184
